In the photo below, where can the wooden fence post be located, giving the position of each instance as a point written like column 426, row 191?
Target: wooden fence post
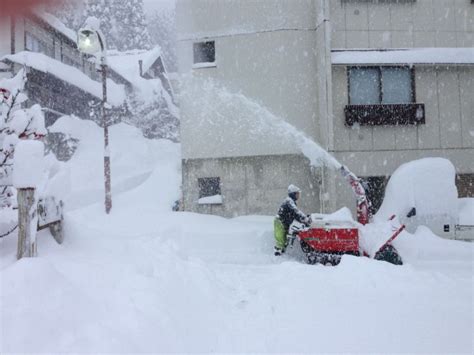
column 27, row 223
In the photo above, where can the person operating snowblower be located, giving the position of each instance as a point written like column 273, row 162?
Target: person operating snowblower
column 287, row 213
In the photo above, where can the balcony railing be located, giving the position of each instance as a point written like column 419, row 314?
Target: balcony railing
column 385, row 114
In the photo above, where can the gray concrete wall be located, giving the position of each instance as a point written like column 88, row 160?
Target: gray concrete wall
column 251, row 185
column 402, row 24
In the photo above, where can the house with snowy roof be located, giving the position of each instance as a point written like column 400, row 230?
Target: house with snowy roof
column 59, row 77
column 130, row 67
column 151, row 100
column 376, row 83
column 64, row 81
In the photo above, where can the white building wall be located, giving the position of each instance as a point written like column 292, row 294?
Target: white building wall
column 446, row 91
column 283, row 34
column 402, row 24
column 283, row 87
column 447, row 94
column 275, row 52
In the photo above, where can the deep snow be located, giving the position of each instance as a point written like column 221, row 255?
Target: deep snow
column 145, row 279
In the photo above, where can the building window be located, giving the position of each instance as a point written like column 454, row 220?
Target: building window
column 204, row 53
column 380, row 85
column 33, row 44
column 209, row 186
column 465, row 185
column 382, row 96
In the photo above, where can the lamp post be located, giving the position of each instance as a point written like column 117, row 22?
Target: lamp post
column 90, row 40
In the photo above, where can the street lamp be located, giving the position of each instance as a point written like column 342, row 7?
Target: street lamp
column 90, row 40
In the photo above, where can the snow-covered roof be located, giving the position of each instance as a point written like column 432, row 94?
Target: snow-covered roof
column 71, row 75
column 456, row 56
column 126, row 63
column 55, row 23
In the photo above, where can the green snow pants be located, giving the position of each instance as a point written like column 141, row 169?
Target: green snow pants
column 280, row 234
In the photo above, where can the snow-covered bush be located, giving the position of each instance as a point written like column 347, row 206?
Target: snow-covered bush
column 16, row 123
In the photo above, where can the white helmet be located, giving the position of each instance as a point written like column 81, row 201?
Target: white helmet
column 292, row 189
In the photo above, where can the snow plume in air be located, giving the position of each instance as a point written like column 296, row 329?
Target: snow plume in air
column 213, row 105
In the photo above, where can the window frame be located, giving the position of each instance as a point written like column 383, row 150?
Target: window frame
column 380, row 82
column 35, row 42
column 203, row 64
column 208, row 180
column 384, row 114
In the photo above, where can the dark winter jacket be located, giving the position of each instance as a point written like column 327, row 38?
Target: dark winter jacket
column 289, row 212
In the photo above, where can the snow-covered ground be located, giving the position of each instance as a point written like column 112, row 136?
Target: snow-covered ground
column 145, row 279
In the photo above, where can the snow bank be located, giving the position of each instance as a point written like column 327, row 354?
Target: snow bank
column 71, row 75
column 134, row 160
column 426, row 184
column 423, row 247
column 43, row 301
column 28, row 165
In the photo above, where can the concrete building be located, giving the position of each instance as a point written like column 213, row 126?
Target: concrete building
column 375, row 82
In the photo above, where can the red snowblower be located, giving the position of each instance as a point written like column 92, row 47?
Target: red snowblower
column 326, row 241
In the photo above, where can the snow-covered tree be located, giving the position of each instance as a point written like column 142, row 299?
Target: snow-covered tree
column 133, row 31
column 15, row 123
column 162, row 28
column 104, row 10
column 70, row 12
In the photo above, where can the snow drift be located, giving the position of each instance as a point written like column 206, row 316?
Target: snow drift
column 133, row 160
column 426, row 184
